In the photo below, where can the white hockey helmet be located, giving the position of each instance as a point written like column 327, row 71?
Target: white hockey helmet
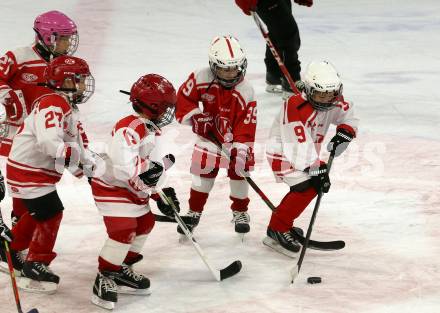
column 225, row 53
column 321, row 81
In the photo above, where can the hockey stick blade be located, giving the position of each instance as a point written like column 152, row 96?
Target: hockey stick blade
column 33, row 311
column 169, row 219
column 230, row 270
column 317, row 245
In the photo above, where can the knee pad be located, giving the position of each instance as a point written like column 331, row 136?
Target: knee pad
column 45, row 207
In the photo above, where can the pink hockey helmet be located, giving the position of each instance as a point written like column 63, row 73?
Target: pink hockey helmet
column 51, row 27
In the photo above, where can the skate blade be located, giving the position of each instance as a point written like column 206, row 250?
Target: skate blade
column 278, row 248
column 35, row 286
column 103, row 303
column 4, row 268
column 132, row 291
column 274, row 89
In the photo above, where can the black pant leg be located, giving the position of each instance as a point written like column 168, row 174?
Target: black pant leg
column 284, row 34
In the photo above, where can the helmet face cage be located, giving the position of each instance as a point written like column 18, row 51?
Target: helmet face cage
column 323, row 106
column 88, row 91
column 71, row 48
column 229, row 83
column 75, row 95
column 163, row 119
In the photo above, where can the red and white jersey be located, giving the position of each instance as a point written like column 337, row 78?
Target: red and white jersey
column 297, row 133
column 119, row 191
column 20, row 70
column 234, row 110
column 45, row 139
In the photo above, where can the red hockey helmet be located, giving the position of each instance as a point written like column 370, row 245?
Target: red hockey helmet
column 155, row 97
column 71, row 76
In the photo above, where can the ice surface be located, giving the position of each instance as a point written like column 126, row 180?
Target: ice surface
column 385, row 196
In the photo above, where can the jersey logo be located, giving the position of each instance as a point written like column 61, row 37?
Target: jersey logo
column 69, row 61
column 207, row 97
column 29, row 77
column 14, row 189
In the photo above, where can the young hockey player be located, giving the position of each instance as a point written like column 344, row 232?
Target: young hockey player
column 294, row 147
column 122, row 193
column 218, row 101
column 20, row 72
column 43, row 146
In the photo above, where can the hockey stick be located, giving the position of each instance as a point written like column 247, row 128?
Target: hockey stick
column 275, row 53
column 170, row 219
column 13, row 279
column 219, row 275
column 313, row 244
column 295, row 271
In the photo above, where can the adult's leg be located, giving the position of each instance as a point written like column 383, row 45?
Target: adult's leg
column 284, row 34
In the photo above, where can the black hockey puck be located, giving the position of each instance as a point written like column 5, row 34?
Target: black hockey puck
column 314, row 280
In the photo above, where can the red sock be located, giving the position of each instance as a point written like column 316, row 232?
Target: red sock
column 43, row 240
column 197, row 200
column 23, row 232
column 240, row 205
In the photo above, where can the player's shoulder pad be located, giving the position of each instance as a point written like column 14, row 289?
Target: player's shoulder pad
column 53, row 101
column 245, row 90
column 132, row 122
column 203, row 76
column 27, row 54
column 298, row 109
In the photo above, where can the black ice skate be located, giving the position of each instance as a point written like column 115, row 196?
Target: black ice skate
column 130, row 282
column 282, row 242
column 105, row 291
column 16, row 257
column 195, row 216
column 273, row 83
column 241, row 220
column 37, row 277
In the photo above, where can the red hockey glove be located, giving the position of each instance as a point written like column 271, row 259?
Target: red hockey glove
column 14, row 104
column 308, row 3
column 247, row 5
column 202, row 124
